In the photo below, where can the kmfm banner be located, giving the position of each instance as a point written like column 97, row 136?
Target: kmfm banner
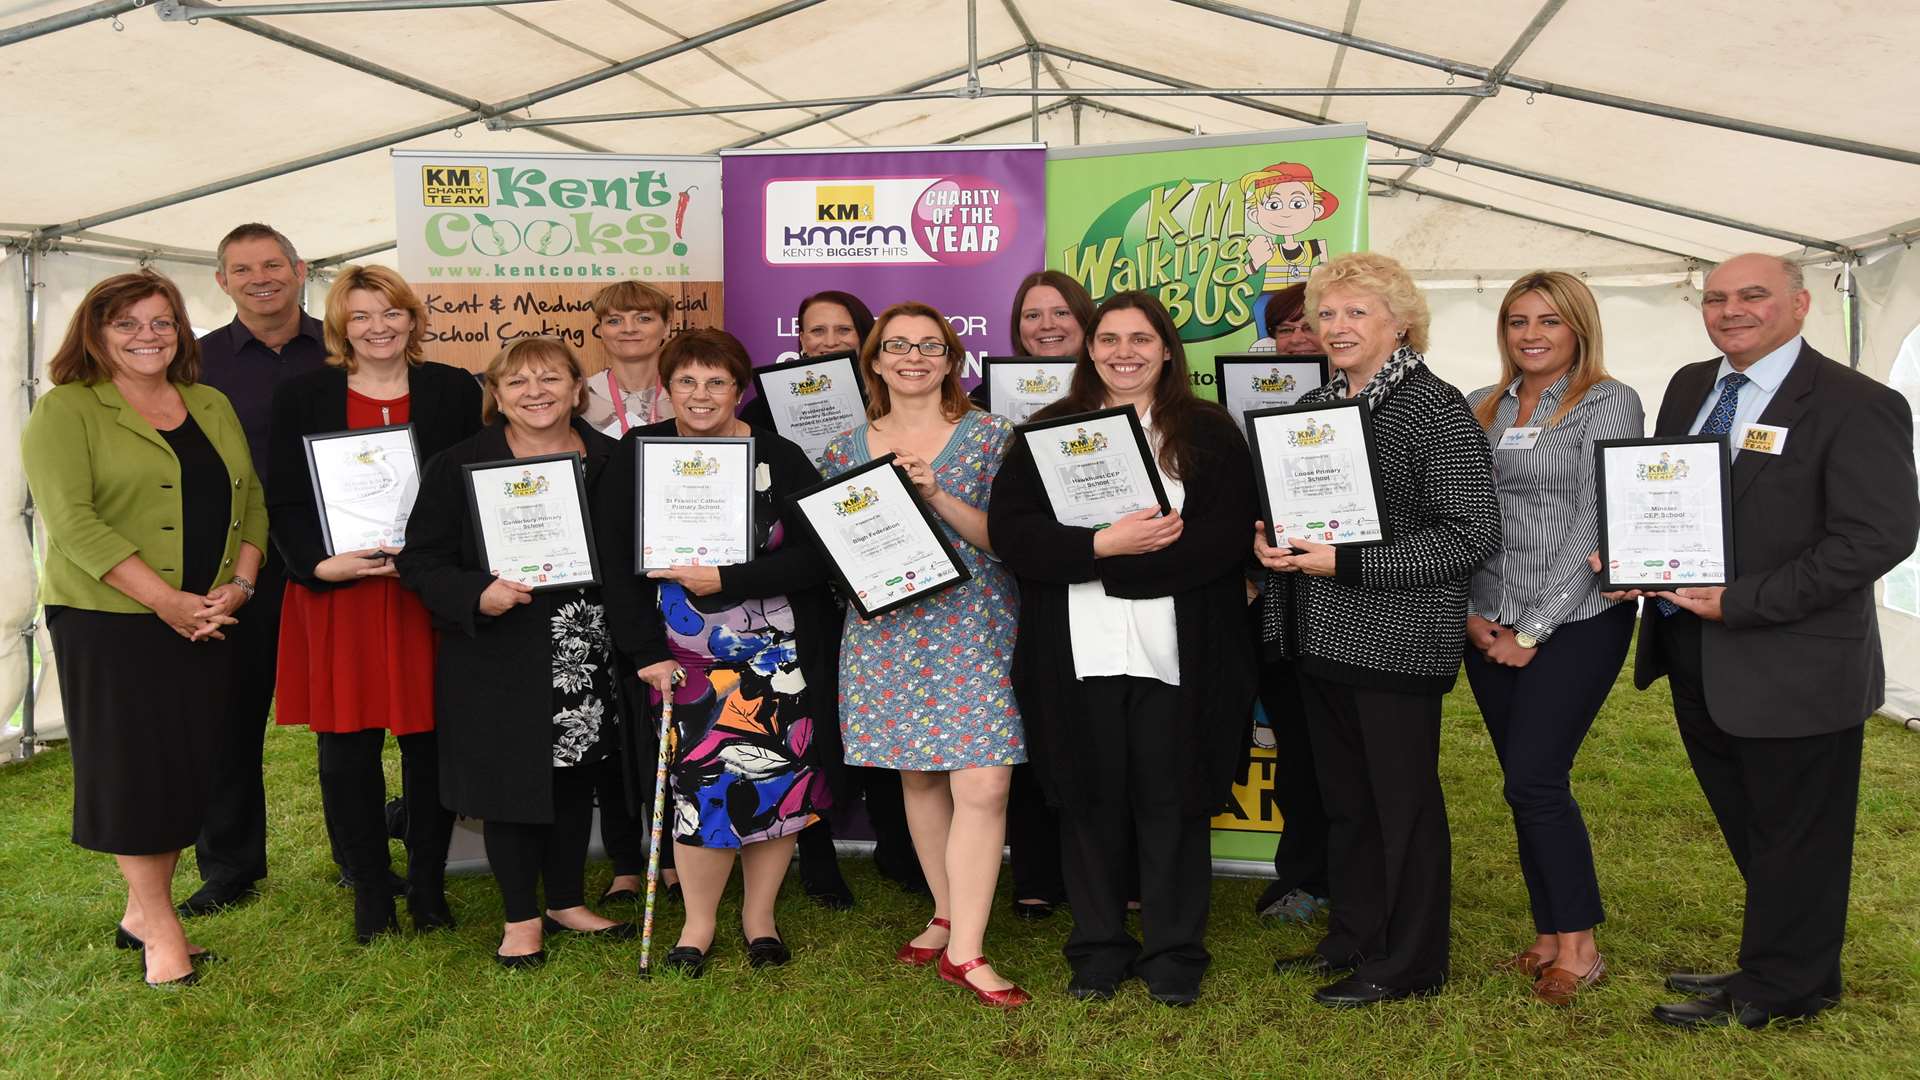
column 955, row 227
column 503, row 246
column 1214, row 225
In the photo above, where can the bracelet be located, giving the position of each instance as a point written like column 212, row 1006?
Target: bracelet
column 245, row 585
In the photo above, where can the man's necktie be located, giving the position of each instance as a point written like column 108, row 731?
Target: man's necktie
column 1719, row 422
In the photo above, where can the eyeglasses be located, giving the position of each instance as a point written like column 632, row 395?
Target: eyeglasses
column 687, row 384
column 130, row 327
column 900, row 346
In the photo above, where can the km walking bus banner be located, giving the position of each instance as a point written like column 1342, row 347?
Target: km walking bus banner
column 955, row 227
column 1214, row 225
column 502, row 246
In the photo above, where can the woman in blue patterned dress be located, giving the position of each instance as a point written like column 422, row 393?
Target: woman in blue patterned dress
column 924, row 688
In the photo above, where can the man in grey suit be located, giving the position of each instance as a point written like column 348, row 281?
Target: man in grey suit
column 1774, row 675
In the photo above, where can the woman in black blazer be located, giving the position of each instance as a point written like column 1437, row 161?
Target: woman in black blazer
column 525, row 700
column 1132, row 667
column 356, row 649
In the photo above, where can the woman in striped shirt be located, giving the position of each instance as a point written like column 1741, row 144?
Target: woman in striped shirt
column 1546, row 645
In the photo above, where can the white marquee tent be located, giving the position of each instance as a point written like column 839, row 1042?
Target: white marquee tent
column 1634, row 141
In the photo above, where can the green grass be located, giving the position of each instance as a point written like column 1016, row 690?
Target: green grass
column 297, row 998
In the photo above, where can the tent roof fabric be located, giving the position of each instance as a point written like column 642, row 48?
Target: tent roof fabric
column 117, row 111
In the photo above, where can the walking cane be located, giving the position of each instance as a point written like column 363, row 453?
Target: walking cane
column 667, row 739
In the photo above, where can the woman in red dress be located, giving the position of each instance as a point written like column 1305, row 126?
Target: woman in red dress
column 356, row 647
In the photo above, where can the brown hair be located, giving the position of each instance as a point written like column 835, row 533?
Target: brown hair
column 1285, row 306
column 82, row 356
column 1070, row 290
column 1176, row 411
column 703, row 345
column 953, row 398
column 1570, row 299
column 253, row 230
column 377, row 279
column 631, row 296
column 856, row 309
column 534, row 353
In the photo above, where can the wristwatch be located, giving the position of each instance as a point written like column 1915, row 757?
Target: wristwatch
column 1526, row 640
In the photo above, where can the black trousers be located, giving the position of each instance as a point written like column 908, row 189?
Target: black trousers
column 1389, row 857
column 523, row 855
column 1786, row 809
column 1137, row 830
column 353, row 792
column 1033, row 840
column 232, row 848
column 1538, row 716
column 886, row 811
column 1300, row 860
column 624, row 833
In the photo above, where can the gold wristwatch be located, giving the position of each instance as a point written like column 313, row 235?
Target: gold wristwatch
column 1526, row 640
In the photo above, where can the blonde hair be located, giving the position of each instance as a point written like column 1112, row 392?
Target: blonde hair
column 1570, row 299
column 1371, row 272
column 534, row 353
column 388, row 284
column 954, row 402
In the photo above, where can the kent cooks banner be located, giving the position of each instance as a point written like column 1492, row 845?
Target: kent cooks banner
column 1213, row 225
column 502, row 246
column 953, row 227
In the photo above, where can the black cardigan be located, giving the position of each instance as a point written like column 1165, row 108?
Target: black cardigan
column 796, row 571
column 1202, row 571
column 1393, row 616
column 493, row 676
column 443, row 404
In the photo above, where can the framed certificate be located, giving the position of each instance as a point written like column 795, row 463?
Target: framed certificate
column 1318, row 477
column 814, row 398
column 1666, row 512
column 694, row 502
column 885, row 547
column 1095, row 467
column 1019, row 386
column 364, row 484
column 1246, row 382
column 530, row 516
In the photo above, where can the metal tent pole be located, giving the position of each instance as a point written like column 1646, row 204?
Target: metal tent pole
column 28, row 31
column 1540, row 86
column 381, row 142
column 183, row 10
column 30, row 304
column 1850, row 286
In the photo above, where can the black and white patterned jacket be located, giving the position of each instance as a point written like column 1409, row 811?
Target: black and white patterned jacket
column 1393, row 616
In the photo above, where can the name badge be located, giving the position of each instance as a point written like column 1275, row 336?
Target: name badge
column 1519, row 438
column 1765, row 438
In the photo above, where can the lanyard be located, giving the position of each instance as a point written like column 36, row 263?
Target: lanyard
column 619, row 401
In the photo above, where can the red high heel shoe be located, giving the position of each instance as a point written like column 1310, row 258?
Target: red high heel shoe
column 914, row 956
column 1010, row 998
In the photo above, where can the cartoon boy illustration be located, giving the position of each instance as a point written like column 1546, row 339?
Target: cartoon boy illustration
column 1282, row 202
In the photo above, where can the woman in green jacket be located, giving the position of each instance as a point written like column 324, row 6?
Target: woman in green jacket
column 155, row 529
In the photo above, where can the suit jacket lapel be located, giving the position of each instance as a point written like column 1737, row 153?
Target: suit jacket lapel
column 1787, row 405
column 1683, row 401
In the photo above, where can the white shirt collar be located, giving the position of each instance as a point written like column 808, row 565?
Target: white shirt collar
column 1770, row 370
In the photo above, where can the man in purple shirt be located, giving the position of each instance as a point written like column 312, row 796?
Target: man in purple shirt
column 270, row 339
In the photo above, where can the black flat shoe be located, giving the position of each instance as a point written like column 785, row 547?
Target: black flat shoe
column 1698, row 983
column 215, row 898
column 1092, row 988
column 620, row 931
column 1352, row 993
column 521, row 962
column 1313, row 964
column 373, row 914
column 1719, row 1009
column 124, row 940
column 1178, row 996
column 686, row 960
column 430, row 913
column 184, row 981
column 619, row 896
column 1035, row 910
column 832, row 895
column 767, row 952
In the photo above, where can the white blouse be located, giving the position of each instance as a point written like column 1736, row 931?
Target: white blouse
column 1112, row 636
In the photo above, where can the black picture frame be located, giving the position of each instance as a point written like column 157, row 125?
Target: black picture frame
column 1368, row 445
column 307, row 444
column 1228, row 365
column 988, row 363
column 1610, row 581
column 845, row 584
column 1031, row 429
column 473, row 470
column 640, row 443
column 852, row 358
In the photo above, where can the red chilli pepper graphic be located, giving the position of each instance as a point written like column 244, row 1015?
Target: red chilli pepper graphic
column 680, row 212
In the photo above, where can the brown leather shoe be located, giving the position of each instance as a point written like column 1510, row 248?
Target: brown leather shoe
column 1557, row 985
column 1528, row 963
